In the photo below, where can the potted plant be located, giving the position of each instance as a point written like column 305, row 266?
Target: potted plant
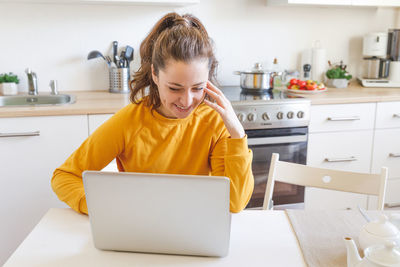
column 8, row 83
column 337, row 75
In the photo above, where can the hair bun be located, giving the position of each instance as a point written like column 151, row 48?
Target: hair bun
column 182, row 21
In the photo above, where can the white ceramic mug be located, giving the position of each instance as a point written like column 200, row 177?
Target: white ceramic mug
column 394, row 71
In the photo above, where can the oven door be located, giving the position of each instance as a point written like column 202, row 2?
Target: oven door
column 291, row 145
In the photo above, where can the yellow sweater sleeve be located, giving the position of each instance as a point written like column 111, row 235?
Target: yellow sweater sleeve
column 232, row 158
column 94, row 154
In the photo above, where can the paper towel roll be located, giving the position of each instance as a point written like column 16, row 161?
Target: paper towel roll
column 318, row 64
column 394, row 71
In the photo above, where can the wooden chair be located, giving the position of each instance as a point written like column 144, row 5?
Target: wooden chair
column 292, row 173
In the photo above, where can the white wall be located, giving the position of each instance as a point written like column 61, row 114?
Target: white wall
column 54, row 40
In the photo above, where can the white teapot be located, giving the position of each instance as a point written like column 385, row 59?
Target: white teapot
column 378, row 232
column 387, row 255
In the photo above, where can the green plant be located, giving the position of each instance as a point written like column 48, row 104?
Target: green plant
column 338, row 71
column 9, row 78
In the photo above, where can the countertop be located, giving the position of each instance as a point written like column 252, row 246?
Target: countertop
column 63, row 238
column 103, row 102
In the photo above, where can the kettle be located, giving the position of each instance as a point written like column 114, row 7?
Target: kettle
column 382, row 255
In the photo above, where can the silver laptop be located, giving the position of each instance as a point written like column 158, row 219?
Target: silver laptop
column 159, row 213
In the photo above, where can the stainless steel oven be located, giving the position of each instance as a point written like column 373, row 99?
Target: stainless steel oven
column 291, row 145
column 275, row 122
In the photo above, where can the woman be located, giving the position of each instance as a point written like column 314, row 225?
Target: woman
column 174, row 128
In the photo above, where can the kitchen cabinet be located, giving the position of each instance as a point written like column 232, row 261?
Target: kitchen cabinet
column 355, row 3
column 340, row 138
column 31, row 149
column 112, row 2
column 94, row 122
column 386, row 149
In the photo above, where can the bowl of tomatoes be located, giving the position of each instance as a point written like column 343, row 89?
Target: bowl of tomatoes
column 305, row 86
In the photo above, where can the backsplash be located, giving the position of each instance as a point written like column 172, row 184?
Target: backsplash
column 54, row 39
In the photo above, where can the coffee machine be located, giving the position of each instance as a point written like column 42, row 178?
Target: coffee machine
column 381, row 62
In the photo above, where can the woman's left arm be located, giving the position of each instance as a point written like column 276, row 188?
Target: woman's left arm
column 231, row 157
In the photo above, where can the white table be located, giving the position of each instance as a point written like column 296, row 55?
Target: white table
column 63, row 238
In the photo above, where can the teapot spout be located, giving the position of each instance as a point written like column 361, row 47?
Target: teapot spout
column 353, row 258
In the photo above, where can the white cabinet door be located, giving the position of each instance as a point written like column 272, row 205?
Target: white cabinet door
column 348, row 151
column 27, row 165
column 342, row 117
column 393, row 192
column 388, row 115
column 94, row 122
column 376, row 3
column 386, row 152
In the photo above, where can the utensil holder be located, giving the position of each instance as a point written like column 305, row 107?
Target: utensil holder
column 119, row 80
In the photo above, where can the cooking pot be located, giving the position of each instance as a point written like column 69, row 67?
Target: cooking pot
column 257, row 78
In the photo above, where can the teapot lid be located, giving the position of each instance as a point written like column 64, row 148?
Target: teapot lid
column 385, row 255
column 382, row 227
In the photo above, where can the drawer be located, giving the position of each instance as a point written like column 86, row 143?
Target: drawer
column 388, row 115
column 386, row 151
column 322, row 199
column 343, row 117
column 348, row 151
column 393, row 192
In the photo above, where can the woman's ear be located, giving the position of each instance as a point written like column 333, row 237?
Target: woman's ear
column 153, row 75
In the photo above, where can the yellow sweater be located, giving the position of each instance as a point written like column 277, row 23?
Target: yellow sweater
column 142, row 140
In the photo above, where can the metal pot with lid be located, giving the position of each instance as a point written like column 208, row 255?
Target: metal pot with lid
column 257, row 78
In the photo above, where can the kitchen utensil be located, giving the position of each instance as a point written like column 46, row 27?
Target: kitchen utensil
column 375, row 44
column 129, row 54
column 96, row 54
column 371, row 67
column 119, row 80
column 115, row 52
column 257, row 78
column 375, row 256
column 393, row 49
column 384, row 65
column 377, row 232
column 307, row 71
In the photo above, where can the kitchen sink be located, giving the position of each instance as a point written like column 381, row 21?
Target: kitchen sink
column 36, row 100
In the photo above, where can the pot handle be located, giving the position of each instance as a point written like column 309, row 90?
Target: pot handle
column 237, row 72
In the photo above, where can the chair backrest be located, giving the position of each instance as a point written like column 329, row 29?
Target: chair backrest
column 292, row 173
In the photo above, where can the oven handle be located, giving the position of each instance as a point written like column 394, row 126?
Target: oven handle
column 276, row 140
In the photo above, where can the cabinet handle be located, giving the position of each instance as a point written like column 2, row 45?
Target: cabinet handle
column 35, row 133
column 340, row 159
column 354, row 118
column 396, row 115
column 394, row 155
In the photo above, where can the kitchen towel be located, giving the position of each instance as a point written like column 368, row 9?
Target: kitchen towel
column 318, row 65
column 320, row 233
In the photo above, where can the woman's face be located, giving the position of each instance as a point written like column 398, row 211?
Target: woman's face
column 180, row 86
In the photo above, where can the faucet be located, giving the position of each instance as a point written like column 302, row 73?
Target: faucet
column 32, row 82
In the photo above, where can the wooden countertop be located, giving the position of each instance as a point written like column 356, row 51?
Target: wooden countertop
column 102, row 102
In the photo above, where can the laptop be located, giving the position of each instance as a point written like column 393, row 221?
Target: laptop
column 159, row 213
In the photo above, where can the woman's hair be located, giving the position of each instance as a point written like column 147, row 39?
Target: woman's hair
column 181, row 38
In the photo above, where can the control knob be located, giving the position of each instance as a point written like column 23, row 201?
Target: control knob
column 251, row 117
column 290, row 115
column 240, row 117
column 300, row 114
column 265, row 116
column 279, row 115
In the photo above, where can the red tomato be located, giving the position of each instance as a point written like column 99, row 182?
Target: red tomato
column 293, row 81
column 289, row 86
column 311, row 86
column 301, row 84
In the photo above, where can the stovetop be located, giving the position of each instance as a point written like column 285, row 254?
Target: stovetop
column 237, row 94
column 268, row 108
